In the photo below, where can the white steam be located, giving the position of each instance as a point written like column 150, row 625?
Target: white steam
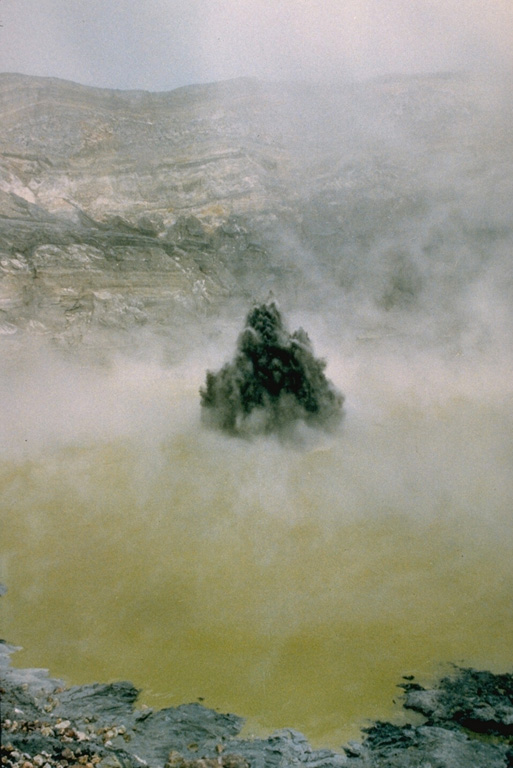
column 291, row 583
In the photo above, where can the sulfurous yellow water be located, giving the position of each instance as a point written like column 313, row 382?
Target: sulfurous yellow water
column 293, row 584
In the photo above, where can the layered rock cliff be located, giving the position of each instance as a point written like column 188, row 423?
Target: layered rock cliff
column 127, row 209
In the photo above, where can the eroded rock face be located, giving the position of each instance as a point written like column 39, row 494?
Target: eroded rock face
column 273, row 381
column 121, row 210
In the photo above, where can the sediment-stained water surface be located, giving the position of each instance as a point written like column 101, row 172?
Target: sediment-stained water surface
column 290, row 578
column 292, row 582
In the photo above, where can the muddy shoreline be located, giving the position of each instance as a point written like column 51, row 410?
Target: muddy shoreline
column 467, row 721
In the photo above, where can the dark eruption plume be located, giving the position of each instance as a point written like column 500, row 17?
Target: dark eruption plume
column 273, row 381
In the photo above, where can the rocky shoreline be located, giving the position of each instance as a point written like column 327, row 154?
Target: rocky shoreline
column 468, row 721
column 138, row 224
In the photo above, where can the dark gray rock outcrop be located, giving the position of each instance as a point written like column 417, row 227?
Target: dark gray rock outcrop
column 476, row 700
column 468, row 725
column 43, row 721
column 469, row 718
column 388, row 746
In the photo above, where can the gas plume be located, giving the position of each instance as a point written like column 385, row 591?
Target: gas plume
column 273, row 381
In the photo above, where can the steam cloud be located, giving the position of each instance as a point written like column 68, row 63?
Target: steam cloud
column 401, row 272
column 273, row 381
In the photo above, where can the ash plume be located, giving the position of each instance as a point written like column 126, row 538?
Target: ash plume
column 273, row 381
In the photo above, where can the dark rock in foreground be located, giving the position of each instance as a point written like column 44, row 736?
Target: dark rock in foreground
column 469, row 722
column 273, row 381
column 476, row 700
column 388, row 746
column 45, row 723
column 469, row 725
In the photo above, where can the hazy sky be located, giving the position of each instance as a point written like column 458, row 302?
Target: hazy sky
column 162, row 44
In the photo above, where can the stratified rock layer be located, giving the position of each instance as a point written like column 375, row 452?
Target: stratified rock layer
column 123, row 210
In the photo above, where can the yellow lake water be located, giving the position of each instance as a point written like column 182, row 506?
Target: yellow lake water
column 291, row 584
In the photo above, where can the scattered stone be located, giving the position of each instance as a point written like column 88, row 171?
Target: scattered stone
column 62, row 725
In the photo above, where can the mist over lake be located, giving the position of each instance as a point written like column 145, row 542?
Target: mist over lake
column 293, row 581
